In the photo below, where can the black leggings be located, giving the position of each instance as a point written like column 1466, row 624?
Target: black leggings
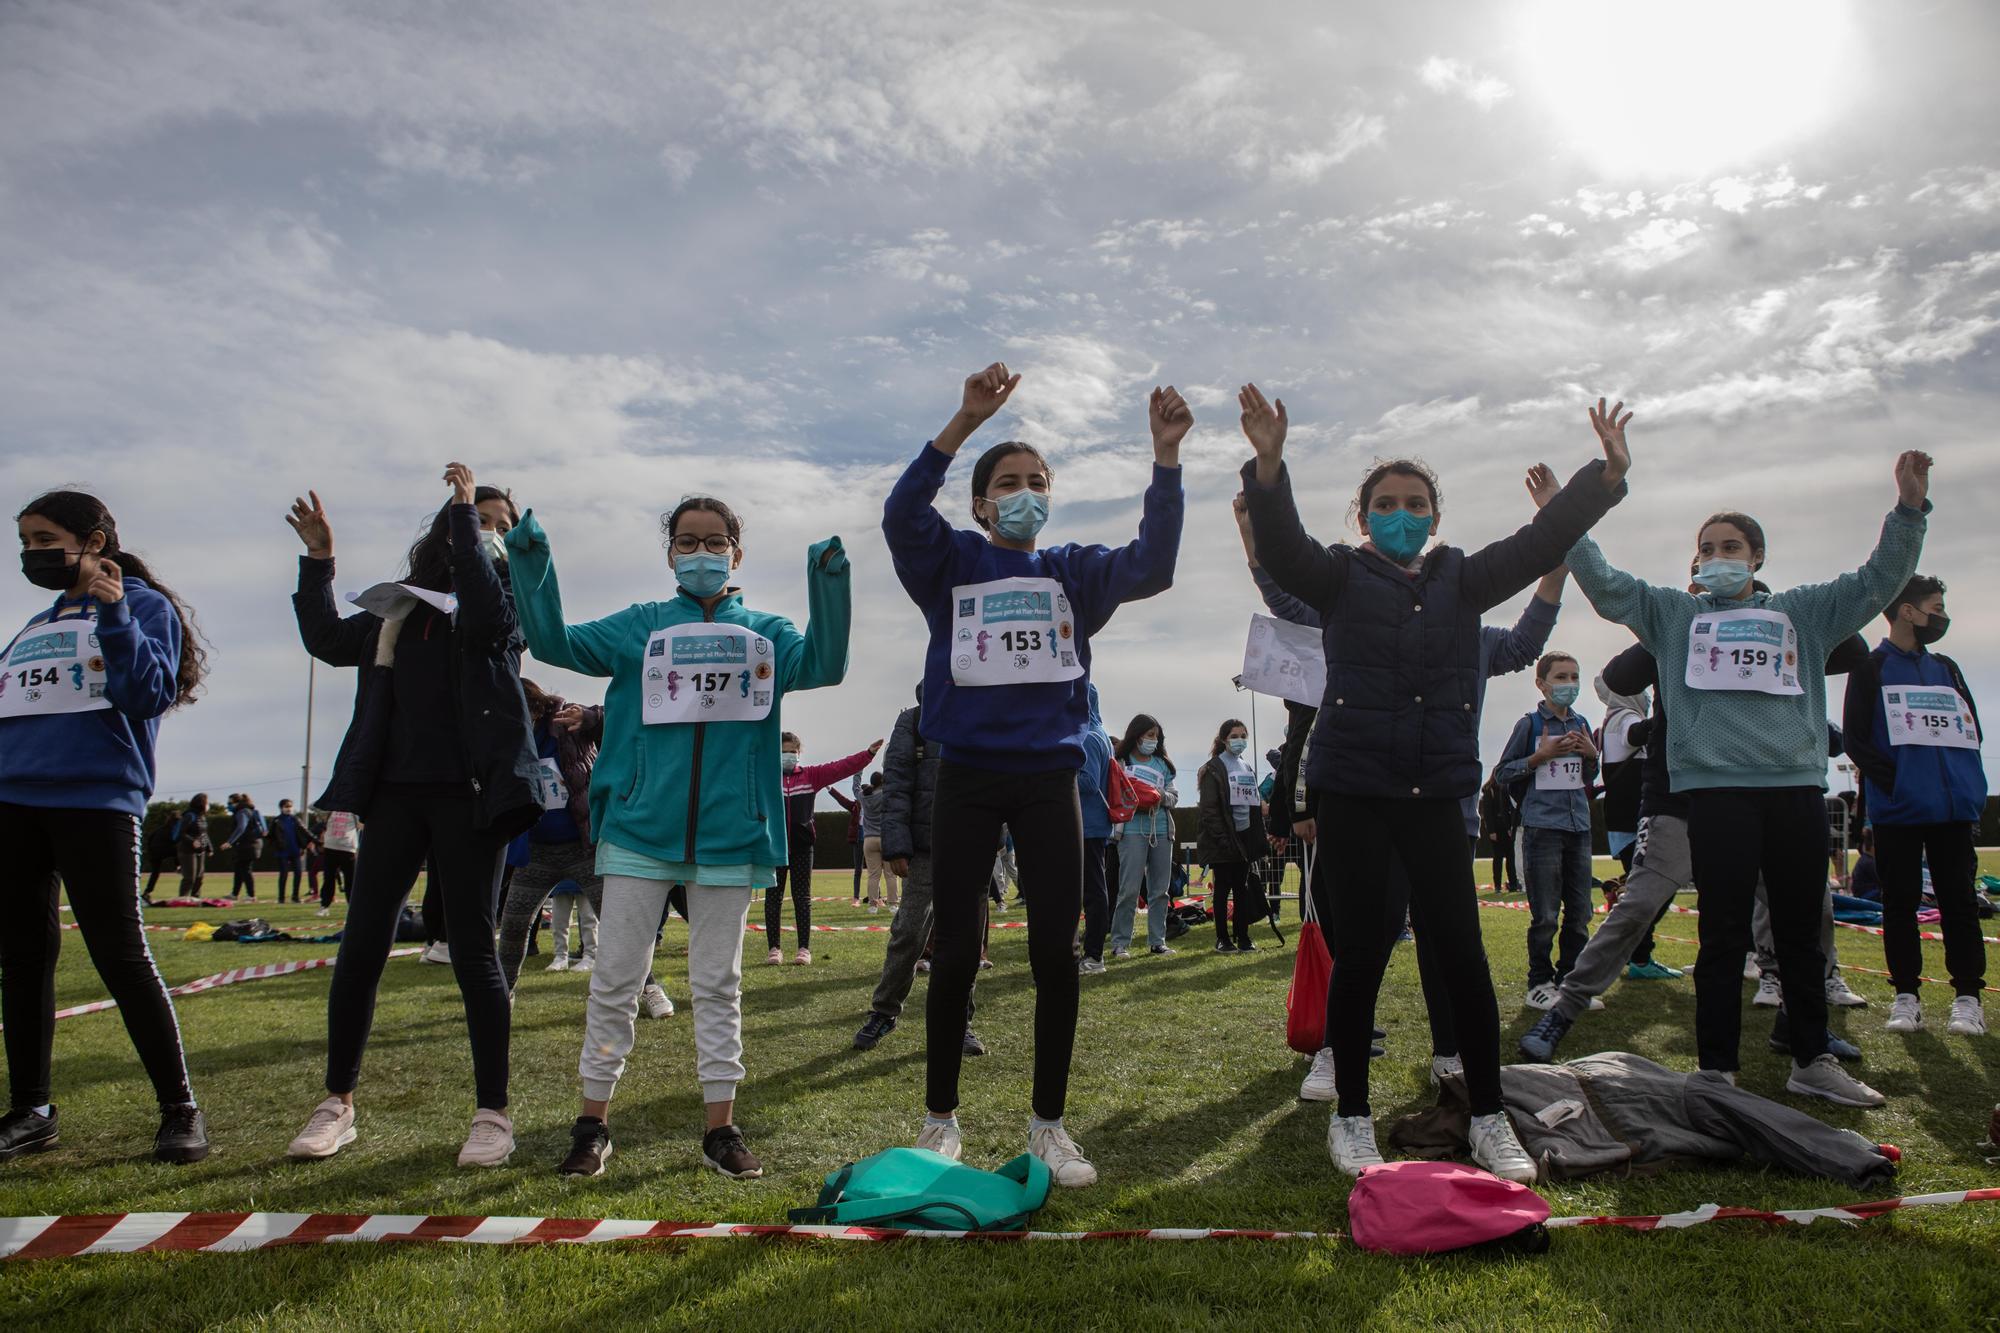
column 967, row 812
column 337, row 871
column 245, row 868
column 96, row 855
column 1900, row 850
column 1430, row 973
column 800, row 873
column 1230, row 879
column 403, row 827
column 1096, row 899
column 1428, row 837
column 1735, row 834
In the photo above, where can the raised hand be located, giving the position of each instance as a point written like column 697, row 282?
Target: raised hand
column 459, row 477
column 1610, row 428
column 309, row 521
column 1541, row 484
column 1241, row 508
column 1170, row 419
column 107, row 582
column 569, row 717
column 1264, row 426
column 987, row 392
column 875, row 748
column 1913, row 478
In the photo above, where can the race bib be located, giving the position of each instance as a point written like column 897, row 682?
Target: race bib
column 708, row 672
column 554, row 791
column 1242, row 789
column 1562, row 773
column 1013, row 632
column 1285, row 661
column 1754, row 648
column 1928, row 715
column 53, row 668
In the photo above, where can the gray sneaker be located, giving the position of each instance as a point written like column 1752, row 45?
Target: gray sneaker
column 1090, row 967
column 1825, row 1078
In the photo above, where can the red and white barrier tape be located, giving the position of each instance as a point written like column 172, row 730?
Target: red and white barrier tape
column 218, row 1233
column 816, row 929
column 1845, row 967
column 71, row 925
column 261, row 972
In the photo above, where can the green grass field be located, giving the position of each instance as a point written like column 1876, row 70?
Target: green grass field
column 1183, row 1094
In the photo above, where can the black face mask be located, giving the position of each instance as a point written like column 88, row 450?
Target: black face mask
column 1931, row 630
column 49, row 569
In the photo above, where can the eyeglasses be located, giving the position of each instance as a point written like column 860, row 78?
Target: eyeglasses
column 687, row 544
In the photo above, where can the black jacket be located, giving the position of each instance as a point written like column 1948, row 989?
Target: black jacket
column 1218, row 841
column 497, row 740
column 909, row 774
column 1400, row 713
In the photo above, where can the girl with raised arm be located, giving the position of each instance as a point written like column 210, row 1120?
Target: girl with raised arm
column 1006, row 698
column 1396, row 748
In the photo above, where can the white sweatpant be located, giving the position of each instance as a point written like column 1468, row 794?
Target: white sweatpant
column 626, row 929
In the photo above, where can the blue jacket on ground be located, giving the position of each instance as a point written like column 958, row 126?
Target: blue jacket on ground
column 101, row 759
column 1403, row 678
column 1096, row 771
column 1911, row 784
column 1568, row 809
column 1017, row 728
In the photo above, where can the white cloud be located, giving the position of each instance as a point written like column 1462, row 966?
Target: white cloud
column 1442, row 75
column 1660, row 241
column 1355, row 132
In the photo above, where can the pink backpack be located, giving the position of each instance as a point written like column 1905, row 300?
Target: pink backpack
column 1437, row 1207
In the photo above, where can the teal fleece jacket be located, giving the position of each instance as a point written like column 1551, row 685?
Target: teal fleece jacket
column 705, row 793
column 1742, row 738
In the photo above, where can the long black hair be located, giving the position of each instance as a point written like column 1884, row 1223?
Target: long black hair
column 81, row 514
column 1128, row 745
column 430, row 555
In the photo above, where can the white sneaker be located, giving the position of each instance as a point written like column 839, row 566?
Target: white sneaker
column 653, row 999
column 874, row 910
column 1838, row 992
column 1067, row 1165
column 1825, row 1078
column 923, row 965
column 1350, row 1141
column 774, row 958
column 1446, row 1066
column 329, row 1129
column 491, row 1141
column 324, row 911
column 1751, row 972
column 1121, row 953
column 1542, row 996
column 1770, row 991
column 559, row 964
column 1596, row 1003
column 803, row 957
column 1906, row 1014
column 1495, row 1148
column 584, row 964
column 436, row 952
column 941, row 1138
column 1967, row 1019
column 1318, row 1086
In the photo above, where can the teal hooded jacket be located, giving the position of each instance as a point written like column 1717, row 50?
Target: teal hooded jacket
column 702, row 793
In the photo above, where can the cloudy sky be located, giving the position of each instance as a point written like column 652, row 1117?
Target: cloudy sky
column 613, row 252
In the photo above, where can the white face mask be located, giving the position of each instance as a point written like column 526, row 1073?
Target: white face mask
column 495, row 544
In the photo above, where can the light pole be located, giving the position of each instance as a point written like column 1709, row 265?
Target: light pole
column 306, row 769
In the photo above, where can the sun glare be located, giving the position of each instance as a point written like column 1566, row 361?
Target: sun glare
column 1690, row 86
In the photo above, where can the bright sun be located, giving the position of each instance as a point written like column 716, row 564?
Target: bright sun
column 1687, row 86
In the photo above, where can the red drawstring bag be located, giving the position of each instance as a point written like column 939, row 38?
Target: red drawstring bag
column 1312, row 969
column 1121, row 795
column 1438, row 1207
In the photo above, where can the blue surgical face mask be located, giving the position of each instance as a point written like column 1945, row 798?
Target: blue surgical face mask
column 1562, row 696
column 1399, row 534
column 788, row 761
column 702, row 574
column 1238, row 745
column 1018, row 517
column 1724, row 577
column 1147, row 747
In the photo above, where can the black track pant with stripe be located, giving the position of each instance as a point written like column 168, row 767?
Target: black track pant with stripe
column 95, row 855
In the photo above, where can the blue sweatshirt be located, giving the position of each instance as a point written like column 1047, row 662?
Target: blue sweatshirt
column 103, row 759
column 1017, row 728
column 1911, row 784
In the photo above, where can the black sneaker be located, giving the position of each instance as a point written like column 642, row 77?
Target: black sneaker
column 589, row 1145
column 973, row 1045
column 876, row 1027
column 1539, row 1042
column 1161, row 950
column 183, row 1135
column 723, row 1148
column 27, row 1130
column 1246, row 946
column 1224, row 946
column 1380, row 1034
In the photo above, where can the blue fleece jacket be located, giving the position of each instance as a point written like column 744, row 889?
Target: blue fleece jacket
column 1017, row 728
column 102, row 759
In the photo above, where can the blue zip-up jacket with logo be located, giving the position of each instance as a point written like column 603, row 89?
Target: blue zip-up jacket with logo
column 707, row 793
column 101, row 759
column 1017, row 728
column 1909, row 784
